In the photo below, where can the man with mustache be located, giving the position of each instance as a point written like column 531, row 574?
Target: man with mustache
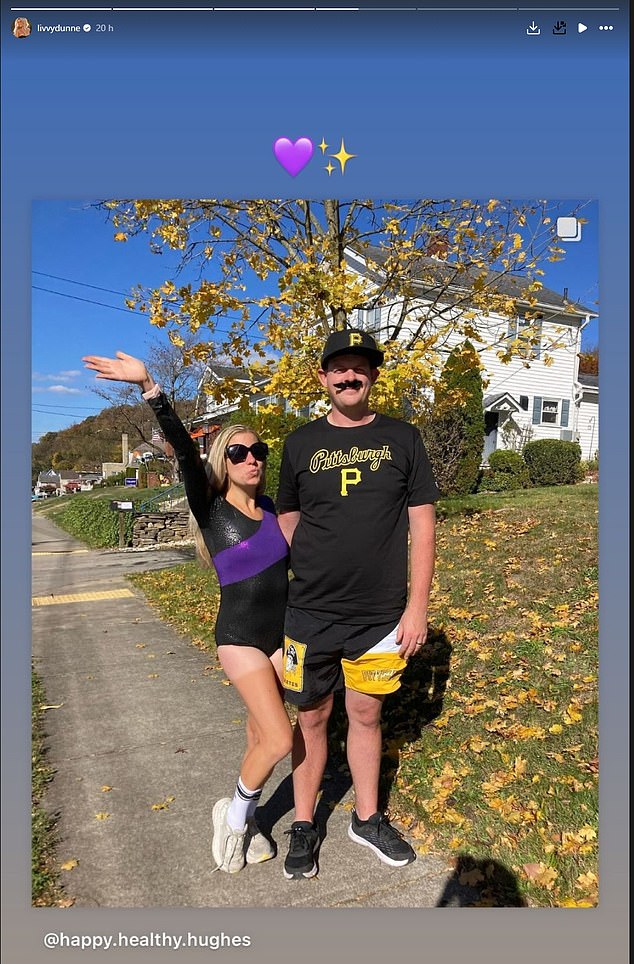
column 353, row 485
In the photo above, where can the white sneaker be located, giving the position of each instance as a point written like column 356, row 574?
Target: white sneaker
column 259, row 848
column 228, row 845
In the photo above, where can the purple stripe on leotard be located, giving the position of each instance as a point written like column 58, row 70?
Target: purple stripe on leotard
column 252, row 556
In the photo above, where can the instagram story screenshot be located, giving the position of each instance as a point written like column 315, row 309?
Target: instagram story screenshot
column 315, row 587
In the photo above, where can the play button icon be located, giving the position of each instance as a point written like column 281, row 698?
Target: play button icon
column 581, row 27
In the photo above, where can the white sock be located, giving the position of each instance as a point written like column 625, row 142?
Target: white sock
column 242, row 806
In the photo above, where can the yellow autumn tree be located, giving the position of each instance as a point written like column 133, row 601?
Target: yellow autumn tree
column 275, row 277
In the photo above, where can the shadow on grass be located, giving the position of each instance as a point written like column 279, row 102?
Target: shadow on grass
column 481, row 882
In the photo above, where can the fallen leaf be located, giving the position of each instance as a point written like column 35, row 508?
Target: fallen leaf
column 105, row 788
column 471, row 877
column 541, row 874
column 50, row 706
column 588, row 881
column 102, row 815
column 588, row 833
column 69, row 864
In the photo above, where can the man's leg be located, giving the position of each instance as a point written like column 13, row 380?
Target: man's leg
column 309, row 754
column 368, row 827
column 364, row 749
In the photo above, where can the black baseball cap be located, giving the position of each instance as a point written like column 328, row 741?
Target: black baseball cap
column 351, row 341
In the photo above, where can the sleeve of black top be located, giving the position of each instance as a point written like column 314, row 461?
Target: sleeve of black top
column 422, row 488
column 287, row 494
column 197, row 488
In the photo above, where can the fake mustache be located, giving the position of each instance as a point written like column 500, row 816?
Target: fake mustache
column 353, row 383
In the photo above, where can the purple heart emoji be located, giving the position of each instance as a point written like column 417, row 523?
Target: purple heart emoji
column 293, row 157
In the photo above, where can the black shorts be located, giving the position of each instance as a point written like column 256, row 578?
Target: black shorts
column 322, row 655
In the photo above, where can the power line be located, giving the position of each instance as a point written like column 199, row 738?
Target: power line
column 101, row 304
column 62, row 414
column 88, row 301
column 71, row 408
column 84, row 284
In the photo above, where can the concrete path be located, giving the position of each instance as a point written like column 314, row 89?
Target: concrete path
column 144, row 735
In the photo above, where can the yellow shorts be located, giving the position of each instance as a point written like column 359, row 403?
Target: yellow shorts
column 377, row 671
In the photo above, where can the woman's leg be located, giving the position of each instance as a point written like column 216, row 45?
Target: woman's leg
column 269, row 734
column 269, row 739
column 251, row 728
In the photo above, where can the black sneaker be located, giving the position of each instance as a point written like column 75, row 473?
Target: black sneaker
column 379, row 835
column 300, row 860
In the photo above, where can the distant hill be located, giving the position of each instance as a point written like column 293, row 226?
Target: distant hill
column 85, row 445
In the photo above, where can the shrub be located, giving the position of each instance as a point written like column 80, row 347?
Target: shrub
column 553, row 462
column 94, row 522
column 272, row 425
column 460, row 389
column 507, row 471
column 117, row 479
column 444, row 441
column 453, row 426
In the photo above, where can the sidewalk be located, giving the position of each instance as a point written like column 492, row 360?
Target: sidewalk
column 144, row 735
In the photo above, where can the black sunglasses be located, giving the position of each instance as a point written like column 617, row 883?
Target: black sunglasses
column 238, row 453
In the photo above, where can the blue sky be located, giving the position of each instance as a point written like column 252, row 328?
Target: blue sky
column 81, row 277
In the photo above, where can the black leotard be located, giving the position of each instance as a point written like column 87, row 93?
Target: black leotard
column 250, row 557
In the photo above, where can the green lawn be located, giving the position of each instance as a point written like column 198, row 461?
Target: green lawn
column 50, row 507
column 491, row 743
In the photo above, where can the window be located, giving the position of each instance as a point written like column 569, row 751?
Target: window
column 369, row 319
column 524, row 402
column 528, row 333
column 550, row 410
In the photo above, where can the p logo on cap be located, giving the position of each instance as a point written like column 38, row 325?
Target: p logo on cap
column 352, row 342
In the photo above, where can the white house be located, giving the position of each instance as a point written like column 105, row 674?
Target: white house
column 588, row 416
column 538, row 394
column 525, row 398
column 214, row 410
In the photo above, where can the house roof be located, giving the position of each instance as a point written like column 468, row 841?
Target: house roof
column 63, row 475
column 494, row 403
column 588, row 381
column 435, row 275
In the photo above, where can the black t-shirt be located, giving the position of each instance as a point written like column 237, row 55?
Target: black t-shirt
column 353, row 487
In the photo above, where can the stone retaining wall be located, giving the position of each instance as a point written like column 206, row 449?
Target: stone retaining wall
column 155, row 528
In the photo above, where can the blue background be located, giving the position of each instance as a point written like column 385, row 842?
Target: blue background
column 460, row 105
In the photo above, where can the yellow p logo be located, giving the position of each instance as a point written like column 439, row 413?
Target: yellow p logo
column 356, row 338
column 349, row 477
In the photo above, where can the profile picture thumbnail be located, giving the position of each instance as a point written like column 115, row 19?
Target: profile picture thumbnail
column 21, row 27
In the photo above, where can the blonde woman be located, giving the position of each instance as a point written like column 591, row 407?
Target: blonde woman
column 240, row 535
